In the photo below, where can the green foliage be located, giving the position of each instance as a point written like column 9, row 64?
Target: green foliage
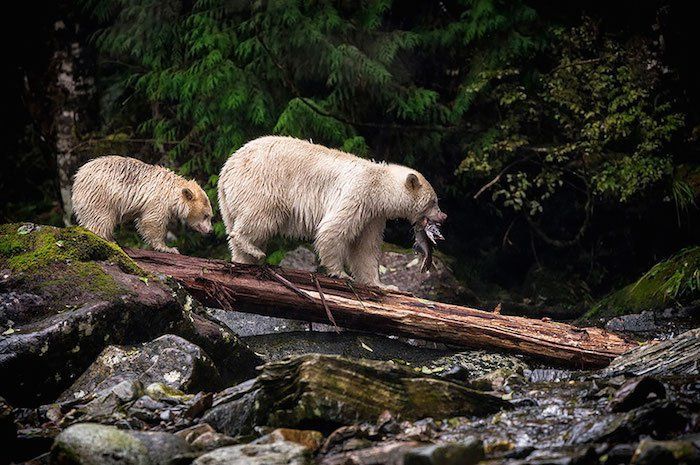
column 598, row 122
column 672, row 281
column 206, row 78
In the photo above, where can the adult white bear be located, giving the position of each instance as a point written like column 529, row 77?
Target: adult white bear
column 285, row 186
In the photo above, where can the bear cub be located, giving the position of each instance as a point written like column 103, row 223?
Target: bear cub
column 108, row 191
column 285, row 186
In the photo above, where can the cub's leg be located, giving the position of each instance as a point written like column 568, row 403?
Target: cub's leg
column 102, row 224
column 153, row 227
column 364, row 253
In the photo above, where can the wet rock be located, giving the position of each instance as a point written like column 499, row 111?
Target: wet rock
column 169, row 359
column 310, row 439
column 637, row 392
column 330, row 391
column 674, row 357
column 651, row 452
column 465, row 453
column 470, row 365
column 274, row 347
column 660, row 418
column 95, row 444
column 619, row 454
column 212, row 440
column 276, row 453
column 191, row 433
column 71, row 294
column 8, row 431
column 540, row 375
column 562, row 456
column 644, row 322
column 388, row 453
column 300, row 258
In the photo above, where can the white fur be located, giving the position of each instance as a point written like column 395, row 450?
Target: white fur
column 285, row 186
column 108, row 191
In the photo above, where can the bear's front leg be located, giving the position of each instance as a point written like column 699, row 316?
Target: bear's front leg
column 364, row 253
column 153, row 229
column 331, row 245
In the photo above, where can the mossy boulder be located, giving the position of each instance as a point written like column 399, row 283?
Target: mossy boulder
column 91, row 443
column 675, row 281
column 67, row 263
column 66, row 294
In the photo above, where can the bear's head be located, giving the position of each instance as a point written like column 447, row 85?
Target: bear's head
column 197, row 212
column 418, row 198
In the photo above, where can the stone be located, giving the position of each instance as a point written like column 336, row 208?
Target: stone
column 212, row 440
column 468, row 452
column 310, row 439
column 673, row 357
column 169, row 359
column 95, row 444
column 276, row 453
column 300, row 258
column 657, row 416
column 70, row 294
column 637, row 392
column 651, row 452
column 330, row 391
column 8, row 431
column 644, row 322
column 386, row 453
column 619, row 454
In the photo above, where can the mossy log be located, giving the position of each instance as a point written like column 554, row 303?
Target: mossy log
column 313, row 297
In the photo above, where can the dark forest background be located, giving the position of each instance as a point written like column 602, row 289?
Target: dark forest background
column 562, row 137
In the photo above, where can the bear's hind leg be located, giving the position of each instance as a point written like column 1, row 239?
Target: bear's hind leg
column 103, row 225
column 238, row 253
column 240, row 244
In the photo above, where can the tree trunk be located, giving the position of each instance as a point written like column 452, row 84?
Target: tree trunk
column 312, row 297
column 72, row 91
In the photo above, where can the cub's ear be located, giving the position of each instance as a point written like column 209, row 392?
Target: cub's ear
column 412, row 182
column 187, row 194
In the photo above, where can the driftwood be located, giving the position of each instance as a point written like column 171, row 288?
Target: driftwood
column 313, row 297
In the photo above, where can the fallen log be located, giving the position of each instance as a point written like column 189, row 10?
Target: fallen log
column 313, row 297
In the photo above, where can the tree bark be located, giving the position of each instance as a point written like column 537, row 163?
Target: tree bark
column 73, row 95
column 311, row 297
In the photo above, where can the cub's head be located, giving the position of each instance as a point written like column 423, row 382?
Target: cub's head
column 196, row 208
column 419, row 199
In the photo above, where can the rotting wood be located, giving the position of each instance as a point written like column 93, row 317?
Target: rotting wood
column 287, row 293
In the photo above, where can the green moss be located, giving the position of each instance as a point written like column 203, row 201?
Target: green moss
column 673, row 281
column 26, row 247
column 64, row 264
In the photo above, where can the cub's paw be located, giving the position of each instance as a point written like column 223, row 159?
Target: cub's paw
column 389, row 287
column 168, row 250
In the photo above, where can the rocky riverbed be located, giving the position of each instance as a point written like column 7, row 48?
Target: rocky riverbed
column 103, row 364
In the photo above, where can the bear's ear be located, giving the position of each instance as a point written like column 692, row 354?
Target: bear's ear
column 187, row 194
column 412, row 182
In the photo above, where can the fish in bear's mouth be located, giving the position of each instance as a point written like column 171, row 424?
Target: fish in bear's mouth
column 427, row 233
